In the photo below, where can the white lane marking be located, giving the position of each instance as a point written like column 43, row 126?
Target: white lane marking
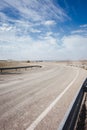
column 48, row 109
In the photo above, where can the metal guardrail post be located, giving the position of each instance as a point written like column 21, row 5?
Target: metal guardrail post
column 1, row 70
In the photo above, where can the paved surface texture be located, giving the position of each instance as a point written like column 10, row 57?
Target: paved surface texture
column 39, row 98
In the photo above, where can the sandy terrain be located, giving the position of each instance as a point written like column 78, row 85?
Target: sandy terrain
column 38, row 98
column 13, row 63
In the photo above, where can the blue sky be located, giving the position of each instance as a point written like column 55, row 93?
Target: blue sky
column 43, row 29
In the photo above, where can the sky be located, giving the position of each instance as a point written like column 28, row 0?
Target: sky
column 43, row 29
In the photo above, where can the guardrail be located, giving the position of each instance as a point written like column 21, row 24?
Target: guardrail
column 15, row 68
column 70, row 119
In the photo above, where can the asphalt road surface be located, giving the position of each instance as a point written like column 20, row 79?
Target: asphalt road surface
column 38, row 99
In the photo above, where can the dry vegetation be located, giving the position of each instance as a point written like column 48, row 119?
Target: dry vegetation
column 8, row 63
column 81, row 64
column 13, row 63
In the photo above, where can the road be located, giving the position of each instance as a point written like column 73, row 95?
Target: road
column 38, row 99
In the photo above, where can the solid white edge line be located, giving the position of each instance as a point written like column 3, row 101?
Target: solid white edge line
column 48, row 109
column 69, row 109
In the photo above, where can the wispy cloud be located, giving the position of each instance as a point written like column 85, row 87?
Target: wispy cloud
column 81, row 30
column 49, row 23
column 29, row 29
column 35, row 10
column 48, row 47
column 83, row 26
column 30, row 16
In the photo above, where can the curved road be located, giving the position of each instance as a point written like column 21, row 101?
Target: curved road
column 38, row 99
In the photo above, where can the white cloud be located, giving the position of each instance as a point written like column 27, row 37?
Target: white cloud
column 79, row 31
column 36, row 10
column 34, row 30
column 83, row 26
column 49, row 22
column 75, row 47
column 5, row 27
column 49, row 48
column 13, row 46
column 49, row 33
column 26, row 47
column 17, row 40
